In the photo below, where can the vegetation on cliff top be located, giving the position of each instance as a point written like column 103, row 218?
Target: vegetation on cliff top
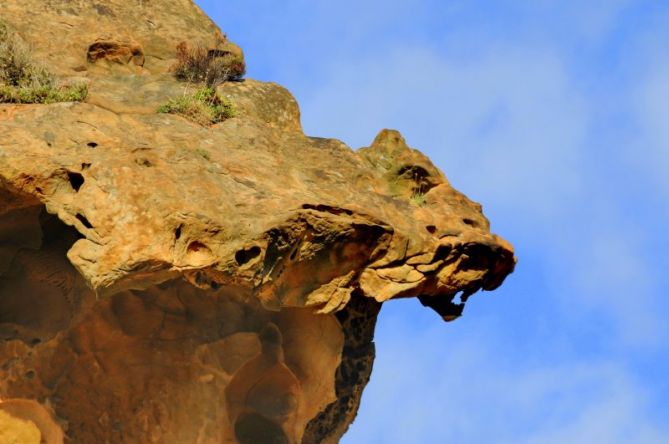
column 211, row 66
column 23, row 81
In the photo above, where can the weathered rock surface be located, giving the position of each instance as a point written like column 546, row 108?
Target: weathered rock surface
column 171, row 283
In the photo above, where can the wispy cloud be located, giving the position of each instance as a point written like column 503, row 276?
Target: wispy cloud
column 506, row 125
column 436, row 384
column 651, row 154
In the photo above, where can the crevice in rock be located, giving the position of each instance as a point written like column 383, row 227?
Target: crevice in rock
column 328, row 209
column 84, row 221
column 443, row 251
column 293, row 254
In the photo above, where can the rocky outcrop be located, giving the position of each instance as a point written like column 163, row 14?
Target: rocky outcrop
column 162, row 281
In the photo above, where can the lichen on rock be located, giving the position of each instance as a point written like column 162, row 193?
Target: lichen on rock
column 170, row 282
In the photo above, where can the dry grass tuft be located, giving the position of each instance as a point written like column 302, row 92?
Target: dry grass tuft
column 23, row 81
column 204, row 107
column 212, row 67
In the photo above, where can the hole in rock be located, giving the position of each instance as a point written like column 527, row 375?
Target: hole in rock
column 177, row 232
column 415, row 172
column 197, row 246
column 85, row 166
column 30, row 374
column 293, row 255
column 143, row 161
column 469, row 222
column 81, row 218
column 116, row 51
column 457, row 299
column 477, row 257
column 92, row 144
column 431, row 229
column 76, row 180
column 245, row 256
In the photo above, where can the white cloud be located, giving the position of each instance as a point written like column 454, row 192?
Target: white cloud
column 435, row 384
column 506, row 126
column 651, row 153
column 612, row 274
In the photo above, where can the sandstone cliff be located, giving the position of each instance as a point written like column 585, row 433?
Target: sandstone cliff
column 166, row 281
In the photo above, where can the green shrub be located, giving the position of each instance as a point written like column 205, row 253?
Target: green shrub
column 22, row 81
column 418, row 199
column 15, row 62
column 42, row 94
column 211, row 67
column 204, row 107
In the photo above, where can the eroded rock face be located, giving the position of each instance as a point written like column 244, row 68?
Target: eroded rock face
column 171, row 283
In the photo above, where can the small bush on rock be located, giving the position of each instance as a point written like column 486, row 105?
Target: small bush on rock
column 212, row 67
column 22, row 81
column 42, row 94
column 204, row 107
column 418, row 199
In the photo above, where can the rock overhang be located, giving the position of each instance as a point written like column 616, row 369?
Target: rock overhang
column 195, row 215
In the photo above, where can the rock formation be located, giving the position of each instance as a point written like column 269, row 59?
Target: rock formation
column 167, row 282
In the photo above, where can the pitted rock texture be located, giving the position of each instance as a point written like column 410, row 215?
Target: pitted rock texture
column 164, row 282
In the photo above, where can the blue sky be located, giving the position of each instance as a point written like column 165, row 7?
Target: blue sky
column 555, row 116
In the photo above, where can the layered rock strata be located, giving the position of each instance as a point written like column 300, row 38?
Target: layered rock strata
column 165, row 282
